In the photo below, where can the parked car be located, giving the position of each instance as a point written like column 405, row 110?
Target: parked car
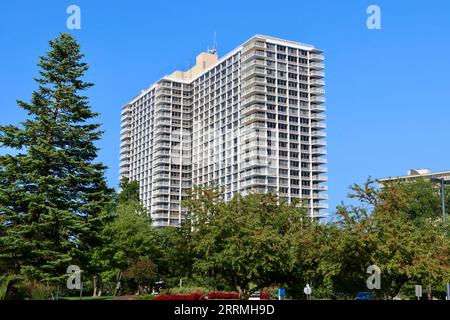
column 363, row 296
column 255, row 296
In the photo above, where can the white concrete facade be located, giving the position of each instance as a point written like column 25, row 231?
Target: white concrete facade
column 251, row 121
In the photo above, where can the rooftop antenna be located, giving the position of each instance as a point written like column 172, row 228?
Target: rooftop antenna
column 214, row 48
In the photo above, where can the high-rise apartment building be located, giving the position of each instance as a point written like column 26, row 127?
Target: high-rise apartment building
column 250, row 121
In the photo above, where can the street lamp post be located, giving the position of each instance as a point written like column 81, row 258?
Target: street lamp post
column 442, row 182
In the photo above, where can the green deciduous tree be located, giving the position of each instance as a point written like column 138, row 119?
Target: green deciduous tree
column 395, row 229
column 142, row 271
column 249, row 242
column 127, row 237
column 51, row 188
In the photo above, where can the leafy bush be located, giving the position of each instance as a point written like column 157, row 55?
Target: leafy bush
column 184, row 290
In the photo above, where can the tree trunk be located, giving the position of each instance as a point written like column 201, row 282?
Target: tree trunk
column 94, row 294
column 243, row 294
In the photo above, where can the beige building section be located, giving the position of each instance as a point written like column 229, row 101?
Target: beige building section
column 203, row 62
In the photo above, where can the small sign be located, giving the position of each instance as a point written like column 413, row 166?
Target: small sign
column 307, row 290
column 281, row 292
column 418, row 291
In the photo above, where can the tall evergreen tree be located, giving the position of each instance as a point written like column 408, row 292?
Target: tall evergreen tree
column 51, row 191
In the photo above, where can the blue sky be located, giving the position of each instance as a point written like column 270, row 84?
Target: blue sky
column 388, row 90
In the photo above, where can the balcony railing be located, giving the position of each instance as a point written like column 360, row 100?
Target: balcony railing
column 318, row 108
column 318, row 99
column 318, row 116
column 317, row 83
column 253, row 108
column 318, row 125
column 251, row 81
column 317, row 66
column 316, row 57
column 319, row 169
column 317, row 74
column 254, row 117
column 254, row 99
column 319, row 151
column 317, row 91
column 322, row 188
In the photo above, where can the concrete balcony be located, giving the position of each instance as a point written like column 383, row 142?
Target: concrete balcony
column 163, row 106
column 159, row 199
column 163, row 100
column 125, row 144
column 317, row 74
column 125, row 114
column 124, row 157
column 254, row 163
column 318, row 142
column 160, row 115
column 163, row 122
column 161, row 168
column 253, row 118
column 254, row 45
column 320, row 206
column 162, row 160
column 254, row 81
column 253, row 72
column 161, row 137
column 257, row 53
column 124, row 171
column 161, row 130
column 160, row 192
column 253, row 145
column 165, row 84
column 124, row 150
column 318, row 117
column 316, row 57
column 317, row 66
column 124, row 163
column 316, row 160
column 318, row 134
column 125, row 137
column 253, row 63
column 161, row 176
column 160, row 184
column 319, row 188
column 254, row 172
column 159, row 207
column 317, row 83
column 320, row 196
column 248, row 109
column 318, row 151
column 318, row 125
column 317, row 91
column 253, row 182
column 162, row 145
column 253, row 90
column 319, row 169
column 125, row 118
column 160, row 92
column 253, row 99
column 318, row 99
column 318, row 108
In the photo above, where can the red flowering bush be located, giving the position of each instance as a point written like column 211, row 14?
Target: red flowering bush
column 199, row 296
column 222, row 295
column 192, row 296
column 264, row 295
